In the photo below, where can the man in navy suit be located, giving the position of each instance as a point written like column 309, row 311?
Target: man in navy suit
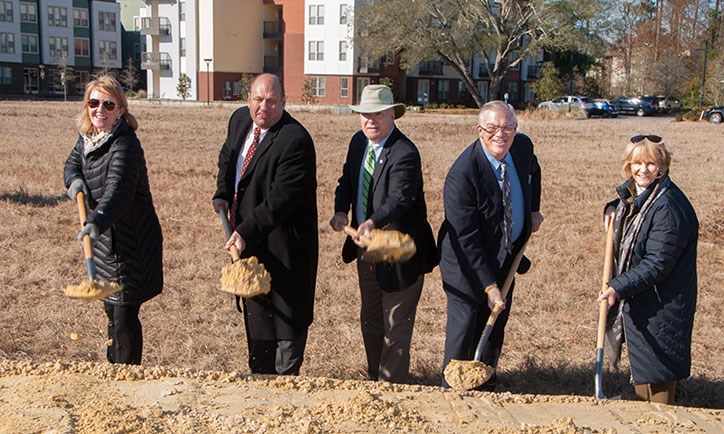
column 267, row 180
column 382, row 184
column 477, row 240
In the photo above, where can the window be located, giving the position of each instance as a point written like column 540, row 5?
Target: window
column 344, row 87
column 81, row 79
column 80, row 17
column 512, row 57
column 343, row 15
column 82, row 47
column 513, row 91
column 57, row 16
column 6, row 75
column 137, row 52
column 29, row 43
column 182, row 11
column 28, row 12
column 107, row 21
column 136, row 24
column 316, row 15
column 57, row 46
column 108, row 50
column 6, row 11
column 342, row 51
column 30, row 80
column 7, row 43
column 443, row 89
column 319, row 86
column 182, row 47
column 316, row 50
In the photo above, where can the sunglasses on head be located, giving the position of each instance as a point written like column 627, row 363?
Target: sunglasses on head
column 650, row 137
column 108, row 105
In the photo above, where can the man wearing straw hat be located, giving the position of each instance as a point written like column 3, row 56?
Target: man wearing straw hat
column 381, row 183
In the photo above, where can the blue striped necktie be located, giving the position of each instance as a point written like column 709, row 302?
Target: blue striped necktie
column 507, row 207
column 369, row 169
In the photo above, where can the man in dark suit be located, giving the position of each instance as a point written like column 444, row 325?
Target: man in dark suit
column 382, row 184
column 267, row 179
column 494, row 176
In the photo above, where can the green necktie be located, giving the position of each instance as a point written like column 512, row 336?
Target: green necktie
column 367, row 178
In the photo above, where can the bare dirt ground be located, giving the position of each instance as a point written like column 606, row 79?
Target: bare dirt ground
column 53, row 377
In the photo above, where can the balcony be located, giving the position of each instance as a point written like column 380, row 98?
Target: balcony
column 432, row 67
column 273, row 64
column 367, row 67
column 533, row 72
column 155, row 26
column 273, row 30
column 155, row 61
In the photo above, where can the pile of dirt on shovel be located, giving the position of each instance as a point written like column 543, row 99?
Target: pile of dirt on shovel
column 97, row 397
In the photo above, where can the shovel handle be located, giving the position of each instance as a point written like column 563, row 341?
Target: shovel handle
column 349, row 230
column 87, row 247
column 607, row 268
column 227, row 230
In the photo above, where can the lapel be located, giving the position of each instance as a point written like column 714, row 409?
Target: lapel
column 487, row 176
column 356, row 160
column 264, row 145
column 382, row 160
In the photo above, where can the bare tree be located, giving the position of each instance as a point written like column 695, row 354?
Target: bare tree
column 129, row 76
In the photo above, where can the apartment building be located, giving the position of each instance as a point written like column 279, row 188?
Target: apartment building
column 50, row 47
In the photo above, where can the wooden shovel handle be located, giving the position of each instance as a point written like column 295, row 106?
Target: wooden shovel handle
column 349, row 230
column 607, row 268
column 83, row 214
column 227, row 230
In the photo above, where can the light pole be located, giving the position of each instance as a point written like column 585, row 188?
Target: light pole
column 208, row 91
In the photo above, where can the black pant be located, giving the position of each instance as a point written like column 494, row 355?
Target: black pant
column 125, row 333
column 279, row 357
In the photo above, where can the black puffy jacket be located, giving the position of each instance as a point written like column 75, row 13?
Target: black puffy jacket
column 129, row 250
column 660, row 287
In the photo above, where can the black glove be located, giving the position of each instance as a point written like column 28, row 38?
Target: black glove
column 91, row 230
column 76, row 186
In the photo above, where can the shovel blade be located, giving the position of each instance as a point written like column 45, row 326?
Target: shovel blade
column 599, row 374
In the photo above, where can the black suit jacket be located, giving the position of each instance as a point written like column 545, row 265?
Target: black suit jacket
column 277, row 217
column 398, row 203
column 471, row 234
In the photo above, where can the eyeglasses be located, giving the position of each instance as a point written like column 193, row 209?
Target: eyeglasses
column 108, row 105
column 493, row 129
column 650, row 137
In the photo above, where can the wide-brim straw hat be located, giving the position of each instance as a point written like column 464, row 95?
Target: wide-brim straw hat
column 377, row 98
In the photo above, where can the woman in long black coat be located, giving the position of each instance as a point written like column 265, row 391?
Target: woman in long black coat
column 656, row 233
column 107, row 163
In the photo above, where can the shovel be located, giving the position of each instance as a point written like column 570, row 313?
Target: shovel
column 603, row 311
column 385, row 246
column 469, row 374
column 245, row 278
column 91, row 289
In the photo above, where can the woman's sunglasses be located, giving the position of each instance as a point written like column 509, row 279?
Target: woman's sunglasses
column 650, row 137
column 108, row 105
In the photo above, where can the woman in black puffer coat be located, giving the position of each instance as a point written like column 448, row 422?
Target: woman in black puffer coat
column 107, row 163
column 656, row 234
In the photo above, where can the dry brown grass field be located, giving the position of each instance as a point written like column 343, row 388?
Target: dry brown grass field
column 551, row 334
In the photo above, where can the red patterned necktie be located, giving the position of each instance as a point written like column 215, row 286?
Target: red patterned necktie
column 247, row 159
column 507, row 207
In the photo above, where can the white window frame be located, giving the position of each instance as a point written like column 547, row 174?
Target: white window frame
column 342, row 51
column 57, row 16
column 319, row 87
column 107, row 21
column 31, row 11
column 6, row 9
column 343, row 14
column 82, row 53
column 25, row 39
column 316, row 15
column 7, row 43
column 110, row 47
column 78, row 17
column 316, row 50
column 57, row 46
column 344, row 87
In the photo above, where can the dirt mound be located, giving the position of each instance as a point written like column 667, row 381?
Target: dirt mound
column 91, row 398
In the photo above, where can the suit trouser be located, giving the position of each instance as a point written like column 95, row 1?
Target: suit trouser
column 387, row 320
column 465, row 323
column 125, row 333
column 277, row 357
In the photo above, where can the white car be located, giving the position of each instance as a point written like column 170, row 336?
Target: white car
column 669, row 103
column 569, row 102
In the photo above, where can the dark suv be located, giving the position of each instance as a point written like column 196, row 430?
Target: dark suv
column 637, row 105
column 714, row 115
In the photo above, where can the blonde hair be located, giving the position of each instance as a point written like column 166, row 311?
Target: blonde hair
column 650, row 151
column 110, row 86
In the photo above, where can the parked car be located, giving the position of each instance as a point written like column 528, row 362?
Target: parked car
column 604, row 108
column 714, row 114
column 637, row 105
column 568, row 102
column 669, row 103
